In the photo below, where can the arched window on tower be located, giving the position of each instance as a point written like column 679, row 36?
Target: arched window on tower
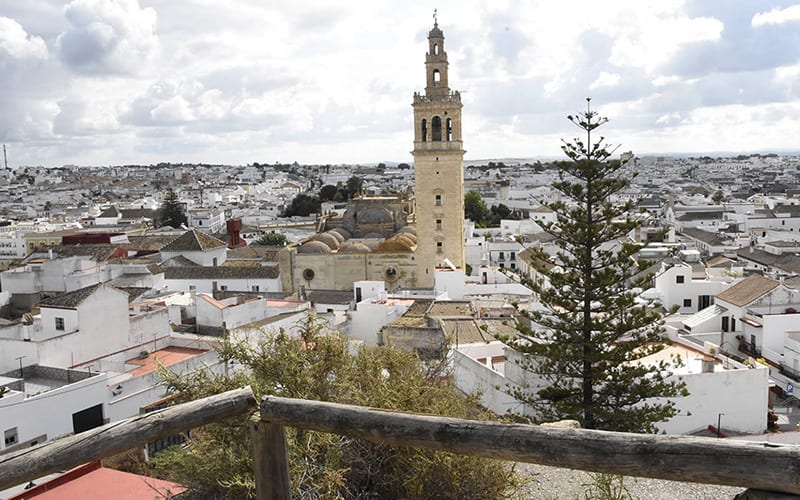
column 449, row 129
column 437, row 78
column 424, row 130
column 436, row 49
column 436, row 129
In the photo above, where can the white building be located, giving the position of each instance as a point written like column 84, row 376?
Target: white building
column 224, row 278
column 198, row 247
column 715, row 386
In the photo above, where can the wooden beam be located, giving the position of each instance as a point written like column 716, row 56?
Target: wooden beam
column 677, row 458
column 270, row 461
column 110, row 439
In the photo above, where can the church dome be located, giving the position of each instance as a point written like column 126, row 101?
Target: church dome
column 328, row 239
column 336, row 234
column 396, row 244
column 354, row 248
column 408, row 239
column 375, row 215
column 314, row 246
column 344, row 233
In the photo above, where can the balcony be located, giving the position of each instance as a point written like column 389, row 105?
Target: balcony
column 749, row 348
column 790, row 372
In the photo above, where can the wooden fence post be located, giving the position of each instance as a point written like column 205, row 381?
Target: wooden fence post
column 270, row 460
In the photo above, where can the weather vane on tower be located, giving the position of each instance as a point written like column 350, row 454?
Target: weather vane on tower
column 435, row 16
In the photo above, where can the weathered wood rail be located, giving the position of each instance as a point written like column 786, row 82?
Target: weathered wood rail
column 761, row 468
column 756, row 466
column 110, row 439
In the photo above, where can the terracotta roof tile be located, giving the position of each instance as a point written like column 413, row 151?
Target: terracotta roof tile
column 193, row 241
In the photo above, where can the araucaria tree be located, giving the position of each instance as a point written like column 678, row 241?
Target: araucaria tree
column 585, row 345
column 171, row 213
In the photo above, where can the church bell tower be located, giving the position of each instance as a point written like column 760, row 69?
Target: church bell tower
column 438, row 166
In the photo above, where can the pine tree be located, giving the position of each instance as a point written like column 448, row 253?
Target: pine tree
column 583, row 346
column 171, row 213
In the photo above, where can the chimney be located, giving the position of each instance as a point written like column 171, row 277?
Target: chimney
column 234, row 229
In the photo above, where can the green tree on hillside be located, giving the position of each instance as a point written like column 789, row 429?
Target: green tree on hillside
column 302, row 205
column 216, row 461
column 475, row 208
column 354, row 186
column 584, row 348
column 171, row 212
column 328, row 192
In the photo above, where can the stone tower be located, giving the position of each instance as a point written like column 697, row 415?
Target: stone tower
column 438, row 166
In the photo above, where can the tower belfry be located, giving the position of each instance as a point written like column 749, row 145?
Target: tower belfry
column 438, row 166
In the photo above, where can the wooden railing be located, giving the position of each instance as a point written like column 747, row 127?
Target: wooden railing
column 760, row 467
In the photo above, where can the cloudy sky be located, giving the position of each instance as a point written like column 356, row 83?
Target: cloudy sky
column 96, row 82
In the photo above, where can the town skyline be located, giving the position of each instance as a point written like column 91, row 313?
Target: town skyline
column 94, row 82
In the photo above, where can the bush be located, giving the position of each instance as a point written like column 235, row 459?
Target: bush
column 216, row 462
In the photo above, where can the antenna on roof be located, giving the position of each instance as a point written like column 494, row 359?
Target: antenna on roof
column 5, row 157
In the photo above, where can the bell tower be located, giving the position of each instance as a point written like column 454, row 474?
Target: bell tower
column 438, row 166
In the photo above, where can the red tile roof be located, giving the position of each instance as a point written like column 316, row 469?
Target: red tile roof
column 92, row 481
column 167, row 356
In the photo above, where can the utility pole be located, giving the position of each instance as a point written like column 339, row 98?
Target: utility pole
column 5, row 157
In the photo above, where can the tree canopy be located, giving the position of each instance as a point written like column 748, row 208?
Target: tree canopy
column 273, row 239
column 584, row 348
column 171, row 212
column 216, row 461
column 475, row 208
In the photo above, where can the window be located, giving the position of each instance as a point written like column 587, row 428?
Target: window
column 199, row 223
column 308, row 274
column 11, row 437
column 449, row 129
column 438, row 200
column 424, row 130
column 437, row 78
column 222, row 288
column 436, row 129
column 255, row 288
column 439, row 247
column 438, row 224
column 687, row 302
column 679, row 279
column 513, row 256
column 725, row 325
column 60, row 324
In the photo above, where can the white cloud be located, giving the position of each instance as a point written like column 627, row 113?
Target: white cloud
column 651, row 42
column 108, row 36
column 605, row 79
column 776, row 16
column 669, row 119
column 172, row 111
column 18, row 44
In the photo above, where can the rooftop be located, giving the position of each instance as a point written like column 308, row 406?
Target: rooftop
column 748, row 290
column 167, row 356
column 92, row 481
column 193, row 241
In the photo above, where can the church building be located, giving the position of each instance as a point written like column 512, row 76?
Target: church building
column 390, row 239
